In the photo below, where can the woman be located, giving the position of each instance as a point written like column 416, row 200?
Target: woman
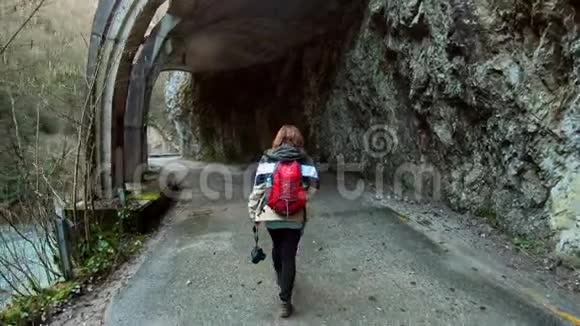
column 285, row 222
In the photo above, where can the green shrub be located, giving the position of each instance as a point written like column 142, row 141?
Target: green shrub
column 29, row 310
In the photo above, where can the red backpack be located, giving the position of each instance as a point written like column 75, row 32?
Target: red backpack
column 287, row 197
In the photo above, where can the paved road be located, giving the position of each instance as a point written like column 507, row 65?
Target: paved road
column 358, row 265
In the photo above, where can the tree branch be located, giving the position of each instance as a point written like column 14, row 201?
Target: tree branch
column 11, row 39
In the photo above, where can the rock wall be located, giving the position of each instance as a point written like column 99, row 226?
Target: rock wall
column 485, row 92
column 179, row 110
column 483, row 95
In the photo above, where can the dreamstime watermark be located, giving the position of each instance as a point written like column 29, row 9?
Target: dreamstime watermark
column 181, row 179
column 190, row 180
column 186, row 180
column 380, row 141
column 417, row 181
column 222, row 182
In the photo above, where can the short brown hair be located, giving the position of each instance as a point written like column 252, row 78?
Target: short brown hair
column 288, row 134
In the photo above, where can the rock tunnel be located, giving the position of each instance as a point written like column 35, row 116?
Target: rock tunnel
column 253, row 62
column 435, row 85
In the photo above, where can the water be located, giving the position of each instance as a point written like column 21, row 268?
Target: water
column 25, row 255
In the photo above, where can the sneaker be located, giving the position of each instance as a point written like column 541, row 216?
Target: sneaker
column 286, row 309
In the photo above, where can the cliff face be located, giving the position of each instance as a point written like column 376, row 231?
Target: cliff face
column 485, row 92
column 179, row 108
column 482, row 95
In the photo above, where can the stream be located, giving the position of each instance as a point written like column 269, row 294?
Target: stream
column 14, row 244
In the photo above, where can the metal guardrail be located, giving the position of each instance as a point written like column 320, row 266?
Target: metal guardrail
column 63, row 231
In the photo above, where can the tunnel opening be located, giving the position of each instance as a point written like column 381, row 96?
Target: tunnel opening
column 168, row 114
column 236, row 113
column 240, row 111
column 255, row 67
column 233, row 115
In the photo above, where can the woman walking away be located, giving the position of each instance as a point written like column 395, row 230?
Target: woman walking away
column 285, row 179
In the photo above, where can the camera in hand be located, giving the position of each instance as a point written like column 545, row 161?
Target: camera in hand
column 257, row 255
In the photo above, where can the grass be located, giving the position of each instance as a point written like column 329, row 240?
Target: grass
column 487, row 212
column 145, row 196
column 523, row 242
column 30, row 310
column 533, row 246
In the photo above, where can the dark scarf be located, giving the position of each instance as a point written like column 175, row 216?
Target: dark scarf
column 285, row 153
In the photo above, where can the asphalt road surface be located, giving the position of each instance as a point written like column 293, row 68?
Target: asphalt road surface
column 358, row 264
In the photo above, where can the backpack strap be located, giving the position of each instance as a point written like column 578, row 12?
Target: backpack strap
column 271, row 177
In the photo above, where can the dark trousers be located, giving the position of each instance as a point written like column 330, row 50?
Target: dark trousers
column 284, row 256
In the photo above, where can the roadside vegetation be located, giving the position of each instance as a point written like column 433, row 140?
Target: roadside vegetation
column 107, row 249
column 44, row 123
column 521, row 241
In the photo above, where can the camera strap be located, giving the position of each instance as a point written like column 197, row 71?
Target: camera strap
column 255, row 229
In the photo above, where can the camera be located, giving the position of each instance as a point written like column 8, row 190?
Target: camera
column 257, row 255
